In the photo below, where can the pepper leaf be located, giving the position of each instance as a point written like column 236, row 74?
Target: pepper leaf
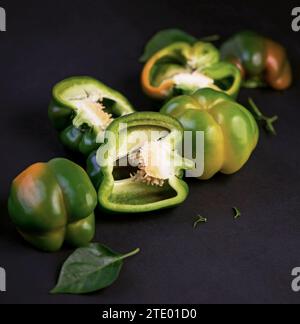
column 90, row 269
column 163, row 39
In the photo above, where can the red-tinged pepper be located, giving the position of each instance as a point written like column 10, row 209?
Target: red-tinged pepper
column 261, row 60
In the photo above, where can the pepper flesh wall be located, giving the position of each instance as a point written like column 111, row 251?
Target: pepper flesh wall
column 152, row 178
column 81, row 109
column 181, row 68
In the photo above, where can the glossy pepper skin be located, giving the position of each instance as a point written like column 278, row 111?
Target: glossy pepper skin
column 53, row 202
column 182, row 68
column 93, row 170
column 230, row 131
column 118, row 191
column 260, row 60
column 81, row 109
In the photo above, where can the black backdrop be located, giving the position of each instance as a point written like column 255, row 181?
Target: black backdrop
column 225, row 261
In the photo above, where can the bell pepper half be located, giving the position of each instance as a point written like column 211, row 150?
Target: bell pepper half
column 181, row 68
column 140, row 166
column 260, row 60
column 53, row 202
column 230, row 131
column 82, row 108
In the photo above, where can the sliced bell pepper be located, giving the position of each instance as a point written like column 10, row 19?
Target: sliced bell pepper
column 82, row 108
column 260, row 60
column 151, row 177
column 230, row 131
column 182, row 68
column 53, row 202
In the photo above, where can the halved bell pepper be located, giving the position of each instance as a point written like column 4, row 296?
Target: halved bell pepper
column 230, row 131
column 53, row 202
column 260, row 60
column 82, row 108
column 141, row 169
column 182, row 68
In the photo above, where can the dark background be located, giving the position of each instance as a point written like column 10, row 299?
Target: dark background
column 225, row 261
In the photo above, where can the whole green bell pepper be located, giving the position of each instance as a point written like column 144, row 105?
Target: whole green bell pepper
column 182, row 68
column 260, row 60
column 82, row 108
column 53, row 202
column 230, row 131
column 150, row 178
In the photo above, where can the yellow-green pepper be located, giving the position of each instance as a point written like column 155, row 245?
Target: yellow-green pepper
column 230, row 131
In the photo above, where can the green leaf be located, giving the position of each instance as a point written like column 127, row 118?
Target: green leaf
column 90, row 269
column 163, row 39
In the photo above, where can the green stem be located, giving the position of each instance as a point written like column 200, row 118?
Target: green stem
column 211, row 38
column 237, row 213
column 268, row 122
column 200, row 220
column 125, row 256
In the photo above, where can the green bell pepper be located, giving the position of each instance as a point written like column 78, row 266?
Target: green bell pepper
column 182, row 68
column 82, row 108
column 230, row 131
column 150, row 178
column 260, row 60
column 53, row 202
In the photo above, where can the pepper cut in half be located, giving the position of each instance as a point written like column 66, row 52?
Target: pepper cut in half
column 182, row 68
column 82, row 108
column 141, row 168
column 260, row 60
column 53, row 202
column 230, row 131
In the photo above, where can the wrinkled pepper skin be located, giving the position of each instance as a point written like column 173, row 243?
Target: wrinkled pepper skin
column 118, row 192
column 230, row 131
column 173, row 70
column 53, row 202
column 260, row 60
column 76, row 133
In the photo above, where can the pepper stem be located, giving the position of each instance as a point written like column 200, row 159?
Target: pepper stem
column 210, row 38
column 268, row 122
column 125, row 256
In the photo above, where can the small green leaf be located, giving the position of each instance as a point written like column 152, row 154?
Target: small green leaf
column 90, row 269
column 237, row 213
column 163, row 39
column 200, row 220
column 267, row 122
